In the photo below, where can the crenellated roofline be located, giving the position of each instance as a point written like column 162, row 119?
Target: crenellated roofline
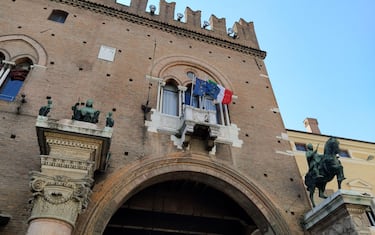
column 245, row 42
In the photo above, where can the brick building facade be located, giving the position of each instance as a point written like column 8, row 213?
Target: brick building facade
column 178, row 163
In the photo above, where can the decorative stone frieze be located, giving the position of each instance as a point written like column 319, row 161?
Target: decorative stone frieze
column 80, row 167
column 70, row 139
column 59, row 197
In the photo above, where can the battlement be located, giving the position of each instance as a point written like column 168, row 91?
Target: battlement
column 242, row 38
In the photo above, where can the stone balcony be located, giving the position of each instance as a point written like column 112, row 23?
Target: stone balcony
column 180, row 128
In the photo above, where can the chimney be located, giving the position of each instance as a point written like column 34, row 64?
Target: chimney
column 311, row 125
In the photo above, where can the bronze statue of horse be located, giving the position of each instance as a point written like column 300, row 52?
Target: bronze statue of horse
column 329, row 166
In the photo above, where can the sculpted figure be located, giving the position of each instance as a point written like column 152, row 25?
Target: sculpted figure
column 323, row 168
column 313, row 160
column 109, row 120
column 87, row 113
column 43, row 111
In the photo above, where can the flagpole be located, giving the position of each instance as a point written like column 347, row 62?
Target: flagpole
column 191, row 91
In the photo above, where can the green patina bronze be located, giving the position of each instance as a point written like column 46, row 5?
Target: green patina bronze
column 109, row 120
column 323, row 168
column 43, row 111
column 87, row 113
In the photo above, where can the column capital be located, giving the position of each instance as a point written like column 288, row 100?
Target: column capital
column 59, row 197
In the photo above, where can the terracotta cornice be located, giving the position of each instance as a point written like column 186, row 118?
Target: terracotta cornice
column 174, row 29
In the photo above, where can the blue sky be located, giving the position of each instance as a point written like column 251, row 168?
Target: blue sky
column 320, row 58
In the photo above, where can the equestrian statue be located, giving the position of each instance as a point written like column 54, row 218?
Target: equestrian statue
column 323, row 168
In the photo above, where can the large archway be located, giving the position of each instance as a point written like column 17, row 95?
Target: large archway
column 122, row 196
column 183, row 206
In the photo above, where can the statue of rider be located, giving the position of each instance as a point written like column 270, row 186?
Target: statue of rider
column 313, row 159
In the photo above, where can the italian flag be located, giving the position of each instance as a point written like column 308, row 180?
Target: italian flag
column 223, row 95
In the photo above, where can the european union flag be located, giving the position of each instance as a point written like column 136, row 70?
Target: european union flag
column 200, row 87
column 212, row 89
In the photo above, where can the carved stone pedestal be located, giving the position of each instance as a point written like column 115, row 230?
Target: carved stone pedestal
column 344, row 212
column 71, row 151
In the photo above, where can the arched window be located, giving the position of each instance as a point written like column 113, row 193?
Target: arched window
column 58, row 16
column 12, row 76
column 170, row 103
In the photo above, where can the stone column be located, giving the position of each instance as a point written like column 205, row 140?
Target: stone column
column 71, row 151
column 344, row 212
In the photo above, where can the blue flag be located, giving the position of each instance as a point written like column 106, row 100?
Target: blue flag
column 200, row 87
column 212, row 89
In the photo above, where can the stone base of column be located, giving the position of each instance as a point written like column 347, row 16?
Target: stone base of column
column 49, row 227
column 344, row 212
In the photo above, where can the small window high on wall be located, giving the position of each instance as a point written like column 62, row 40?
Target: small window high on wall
column 12, row 77
column 58, row 16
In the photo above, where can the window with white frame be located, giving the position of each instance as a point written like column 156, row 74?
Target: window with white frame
column 12, row 77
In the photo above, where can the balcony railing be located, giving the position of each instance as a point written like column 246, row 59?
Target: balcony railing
column 178, row 127
column 200, row 116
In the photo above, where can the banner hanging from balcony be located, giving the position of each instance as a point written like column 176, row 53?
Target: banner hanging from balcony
column 210, row 88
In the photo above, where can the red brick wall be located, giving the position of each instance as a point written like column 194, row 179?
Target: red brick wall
column 121, row 84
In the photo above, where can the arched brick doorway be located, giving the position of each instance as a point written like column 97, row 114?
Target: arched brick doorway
column 123, row 200
column 183, row 206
